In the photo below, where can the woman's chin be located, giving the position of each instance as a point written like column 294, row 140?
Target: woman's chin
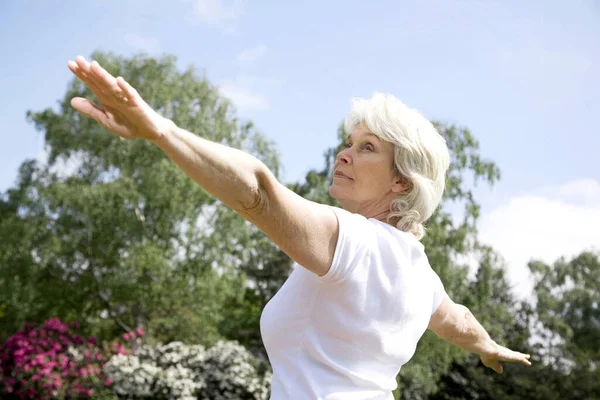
column 336, row 192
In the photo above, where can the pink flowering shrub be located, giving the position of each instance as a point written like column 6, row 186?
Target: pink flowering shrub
column 54, row 362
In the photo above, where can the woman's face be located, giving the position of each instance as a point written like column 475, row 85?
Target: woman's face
column 364, row 177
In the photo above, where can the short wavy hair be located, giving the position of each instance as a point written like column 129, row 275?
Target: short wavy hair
column 421, row 156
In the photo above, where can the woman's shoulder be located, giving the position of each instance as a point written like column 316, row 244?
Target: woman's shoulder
column 376, row 232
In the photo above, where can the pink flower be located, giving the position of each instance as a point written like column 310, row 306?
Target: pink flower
column 63, row 360
column 108, row 382
column 139, row 332
column 54, row 324
column 20, row 360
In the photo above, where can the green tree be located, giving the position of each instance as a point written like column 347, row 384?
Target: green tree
column 20, row 275
column 508, row 321
column 565, row 353
column 114, row 234
column 568, row 308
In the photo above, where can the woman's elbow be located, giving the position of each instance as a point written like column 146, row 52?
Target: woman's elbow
column 256, row 199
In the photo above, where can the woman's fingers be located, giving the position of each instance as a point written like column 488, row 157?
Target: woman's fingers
column 504, row 355
column 105, row 80
column 130, row 92
column 82, row 64
column 494, row 365
column 97, row 79
column 88, row 108
column 518, row 357
column 85, row 70
column 84, row 77
column 525, row 360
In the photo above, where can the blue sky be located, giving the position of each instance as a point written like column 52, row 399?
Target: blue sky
column 523, row 76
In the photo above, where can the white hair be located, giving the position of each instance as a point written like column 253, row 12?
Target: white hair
column 421, row 156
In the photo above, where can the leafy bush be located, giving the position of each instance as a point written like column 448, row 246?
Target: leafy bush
column 178, row 371
column 53, row 362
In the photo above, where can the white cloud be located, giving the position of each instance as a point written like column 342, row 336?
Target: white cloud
column 244, row 93
column 142, row 43
column 251, row 55
column 582, row 191
column 217, row 12
column 545, row 224
column 243, row 97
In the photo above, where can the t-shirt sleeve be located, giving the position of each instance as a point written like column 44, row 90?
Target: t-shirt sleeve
column 355, row 242
column 438, row 290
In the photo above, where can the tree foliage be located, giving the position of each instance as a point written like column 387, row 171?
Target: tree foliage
column 111, row 231
column 565, row 350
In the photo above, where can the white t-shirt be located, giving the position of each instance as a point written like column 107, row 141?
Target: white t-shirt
column 345, row 336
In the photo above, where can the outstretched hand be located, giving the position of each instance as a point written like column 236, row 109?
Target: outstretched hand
column 122, row 111
column 500, row 353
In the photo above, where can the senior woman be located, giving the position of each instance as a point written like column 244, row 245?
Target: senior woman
column 362, row 293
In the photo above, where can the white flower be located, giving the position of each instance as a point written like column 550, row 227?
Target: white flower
column 177, row 371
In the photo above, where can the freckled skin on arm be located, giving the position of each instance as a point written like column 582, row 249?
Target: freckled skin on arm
column 455, row 324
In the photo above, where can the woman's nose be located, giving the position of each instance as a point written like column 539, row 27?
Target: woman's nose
column 344, row 156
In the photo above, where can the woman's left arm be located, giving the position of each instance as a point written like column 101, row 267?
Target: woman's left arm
column 457, row 325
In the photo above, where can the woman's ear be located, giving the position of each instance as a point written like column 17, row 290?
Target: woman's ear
column 401, row 185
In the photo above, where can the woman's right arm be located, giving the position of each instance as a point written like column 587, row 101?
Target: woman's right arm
column 457, row 325
column 304, row 230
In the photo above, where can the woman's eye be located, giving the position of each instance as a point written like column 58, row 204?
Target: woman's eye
column 369, row 147
column 347, row 145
